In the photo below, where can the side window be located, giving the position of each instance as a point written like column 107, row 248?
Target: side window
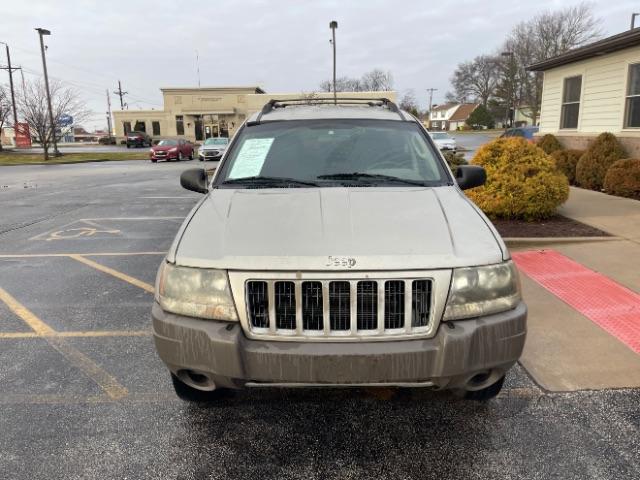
column 632, row 108
column 155, row 127
column 179, row 124
column 127, row 127
column 140, row 127
column 571, row 102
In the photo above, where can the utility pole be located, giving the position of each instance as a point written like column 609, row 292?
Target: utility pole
column 430, row 90
column 508, row 118
column 41, row 33
column 333, row 25
column 13, row 95
column 109, row 113
column 121, row 94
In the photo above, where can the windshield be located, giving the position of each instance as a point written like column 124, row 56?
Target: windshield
column 440, row 136
column 216, row 141
column 166, row 143
column 333, row 153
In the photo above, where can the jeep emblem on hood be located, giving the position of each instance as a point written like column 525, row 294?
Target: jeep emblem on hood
column 344, row 262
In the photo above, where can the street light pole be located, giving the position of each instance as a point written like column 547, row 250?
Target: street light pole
column 41, row 33
column 13, row 95
column 511, row 90
column 333, row 25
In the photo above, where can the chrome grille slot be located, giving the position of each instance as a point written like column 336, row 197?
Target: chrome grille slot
column 286, row 307
column 420, row 302
column 394, row 304
column 367, row 305
column 339, row 306
column 258, row 304
column 312, row 312
column 285, row 299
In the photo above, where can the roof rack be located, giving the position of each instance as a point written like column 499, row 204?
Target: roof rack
column 372, row 102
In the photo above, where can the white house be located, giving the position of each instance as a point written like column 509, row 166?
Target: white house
column 594, row 89
column 450, row 116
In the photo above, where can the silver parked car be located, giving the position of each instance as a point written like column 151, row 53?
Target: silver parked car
column 213, row 148
column 334, row 247
column 444, row 141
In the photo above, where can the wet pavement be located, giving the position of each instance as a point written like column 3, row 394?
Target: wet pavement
column 83, row 394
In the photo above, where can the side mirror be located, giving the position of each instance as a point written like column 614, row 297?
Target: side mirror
column 194, row 179
column 470, row 176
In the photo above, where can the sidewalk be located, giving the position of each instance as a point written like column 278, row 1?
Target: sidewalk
column 566, row 350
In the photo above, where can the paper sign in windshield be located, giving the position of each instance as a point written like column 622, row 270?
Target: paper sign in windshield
column 251, row 158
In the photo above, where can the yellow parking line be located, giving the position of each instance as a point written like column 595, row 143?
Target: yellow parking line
column 93, row 254
column 122, row 276
column 25, row 314
column 88, row 334
column 78, row 359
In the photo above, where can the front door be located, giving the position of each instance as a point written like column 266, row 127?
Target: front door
column 211, row 130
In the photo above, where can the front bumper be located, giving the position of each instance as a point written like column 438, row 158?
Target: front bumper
column 458, row 351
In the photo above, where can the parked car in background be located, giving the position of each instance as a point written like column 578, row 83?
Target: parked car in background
column 107, row 141
column 171, row 150
column 444, row 141
column 138, row 139
column 213, row 148
column 525, row 132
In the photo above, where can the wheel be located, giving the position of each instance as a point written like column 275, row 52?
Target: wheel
column 190, row 394
column 191, row 155
column 153, row 160
column 201, row 159
column 179, row 156
column 128, row 146
column 486, row 393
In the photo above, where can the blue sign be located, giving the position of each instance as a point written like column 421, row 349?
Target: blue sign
column 65, row 120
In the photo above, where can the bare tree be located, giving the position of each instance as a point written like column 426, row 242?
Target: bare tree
column 373, row 81
column 5, row 109
column 377, row 80
column 545, row 36
column 409, row 103
column 476, row 79
column 34, row 110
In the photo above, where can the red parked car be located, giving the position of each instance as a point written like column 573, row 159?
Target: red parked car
column 171, row 150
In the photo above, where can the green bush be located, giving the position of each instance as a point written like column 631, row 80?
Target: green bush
column 549, row 143
column 623, row 178
column 454, row 160
column 593, row 165
column 566, row 161
column 522, row 181
column 480, row 117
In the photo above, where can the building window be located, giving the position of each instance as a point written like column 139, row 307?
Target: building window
column 632, row 116
column 571, row 102
column 127, row 127
column 179, row 125
column 155, row 126
column 140, row 126
column 442, row 114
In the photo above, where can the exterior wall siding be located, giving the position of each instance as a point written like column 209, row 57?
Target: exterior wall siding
column 602, row 102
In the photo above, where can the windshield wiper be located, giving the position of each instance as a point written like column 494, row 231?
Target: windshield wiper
column 267, row 181
column 370, row 176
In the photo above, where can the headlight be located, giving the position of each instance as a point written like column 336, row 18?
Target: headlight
column 195, row 292
column 151, row 151
column 173, row 150
column 479, row 291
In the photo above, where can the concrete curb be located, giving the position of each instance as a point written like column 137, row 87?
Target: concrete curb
column 520, row 241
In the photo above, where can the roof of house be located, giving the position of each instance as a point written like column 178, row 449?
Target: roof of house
column 630, row 38
column 444, row 106
column 463, row 112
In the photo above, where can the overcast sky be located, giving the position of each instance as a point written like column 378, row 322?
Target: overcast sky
column 280, row 45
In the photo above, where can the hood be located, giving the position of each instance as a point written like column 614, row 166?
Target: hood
column 213, row 147
column 163, row 148
column 366, row 228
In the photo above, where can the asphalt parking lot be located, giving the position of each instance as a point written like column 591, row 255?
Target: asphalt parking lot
column 83, row 394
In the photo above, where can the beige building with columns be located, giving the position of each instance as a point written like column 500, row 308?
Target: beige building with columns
column 199, row 113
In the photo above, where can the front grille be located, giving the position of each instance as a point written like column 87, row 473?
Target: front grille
column 339, row 308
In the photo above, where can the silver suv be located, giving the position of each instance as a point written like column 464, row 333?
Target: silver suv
column 334, row 247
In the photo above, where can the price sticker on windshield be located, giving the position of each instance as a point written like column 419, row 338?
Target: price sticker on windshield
column 251, row 158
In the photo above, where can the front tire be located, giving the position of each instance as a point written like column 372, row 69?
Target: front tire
column 179, row 156
column 486, row 393
column 190, row 394
column 153, row 160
